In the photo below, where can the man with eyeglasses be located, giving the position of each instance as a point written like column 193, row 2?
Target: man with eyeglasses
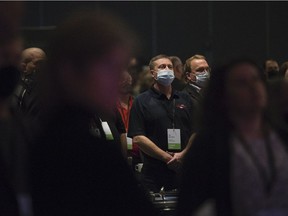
column 197, row 73
column 161, row 124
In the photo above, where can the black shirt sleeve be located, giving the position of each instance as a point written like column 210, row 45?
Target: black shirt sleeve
column 136, row 120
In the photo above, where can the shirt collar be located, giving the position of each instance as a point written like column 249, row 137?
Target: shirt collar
column 130, row 102
column 159, row 94
column 198, row 89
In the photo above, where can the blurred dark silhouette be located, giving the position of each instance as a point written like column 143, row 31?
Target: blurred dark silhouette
column 178, row 83
column 278, row 101
column 14, row 189
column 284, row 70
column 73, row 171
column 33, row 63
column 235, row 157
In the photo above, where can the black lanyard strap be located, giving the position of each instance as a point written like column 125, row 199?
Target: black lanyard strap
column 168, row 110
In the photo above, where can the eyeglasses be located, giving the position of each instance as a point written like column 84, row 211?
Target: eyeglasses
column 163, row 66
column 203, row 69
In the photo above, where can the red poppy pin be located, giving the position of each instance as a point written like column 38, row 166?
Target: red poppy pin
column 181, row 106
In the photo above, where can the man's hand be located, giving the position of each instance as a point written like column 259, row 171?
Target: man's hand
column 175, row 163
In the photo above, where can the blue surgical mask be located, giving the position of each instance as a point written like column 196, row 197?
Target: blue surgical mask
column 165, row 77
column 202, row 78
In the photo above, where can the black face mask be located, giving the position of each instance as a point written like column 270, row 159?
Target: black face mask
column 9, row 78
column 273, row 74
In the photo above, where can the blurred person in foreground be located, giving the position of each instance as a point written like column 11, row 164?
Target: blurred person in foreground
column 14, row 196
column 238, row 159
column 73, row 171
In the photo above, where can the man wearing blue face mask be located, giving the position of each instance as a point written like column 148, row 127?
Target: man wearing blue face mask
column 197, row 75
column 161, row 124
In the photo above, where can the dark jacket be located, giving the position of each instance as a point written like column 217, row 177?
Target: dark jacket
column 77, row 174
column 192, row 91
column 178, row 84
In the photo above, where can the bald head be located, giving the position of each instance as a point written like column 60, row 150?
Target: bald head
column 30, row 59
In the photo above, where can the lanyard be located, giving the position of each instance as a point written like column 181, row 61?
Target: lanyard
column 267, row 179
column 173, row 112
column 169, row 113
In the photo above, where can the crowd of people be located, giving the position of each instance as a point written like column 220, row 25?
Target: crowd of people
column 85, row 129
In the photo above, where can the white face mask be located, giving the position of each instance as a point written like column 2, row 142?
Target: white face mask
column 165, row 77
column 202, row 78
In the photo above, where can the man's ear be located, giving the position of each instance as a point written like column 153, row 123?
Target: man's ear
column 187, row 75
column 23, row 67
column 152, row 73
column 190, row 76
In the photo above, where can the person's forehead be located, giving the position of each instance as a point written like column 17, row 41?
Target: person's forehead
column 269, row 63
column 198, row 63
column 243, row 71
column 162, row 61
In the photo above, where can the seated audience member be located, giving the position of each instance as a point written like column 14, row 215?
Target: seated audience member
column 74, row 172
column 178, row 83
column 160, row 124
column 238, row 159
column 197, row 73
column 271, row 69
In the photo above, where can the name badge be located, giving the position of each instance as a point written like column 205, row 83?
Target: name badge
column 174, row 139
column 107, row 131
column 129, row 143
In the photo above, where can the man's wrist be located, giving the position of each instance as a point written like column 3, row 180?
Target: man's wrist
column 166, row 157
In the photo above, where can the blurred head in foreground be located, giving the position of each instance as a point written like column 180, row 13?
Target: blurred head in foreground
column 236, row 90
column 87, row 55
column 10, row 47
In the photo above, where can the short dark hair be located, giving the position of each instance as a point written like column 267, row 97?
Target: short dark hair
column 265, row 62
column 155, row 58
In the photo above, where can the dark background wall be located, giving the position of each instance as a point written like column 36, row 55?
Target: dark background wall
column 219, row 30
